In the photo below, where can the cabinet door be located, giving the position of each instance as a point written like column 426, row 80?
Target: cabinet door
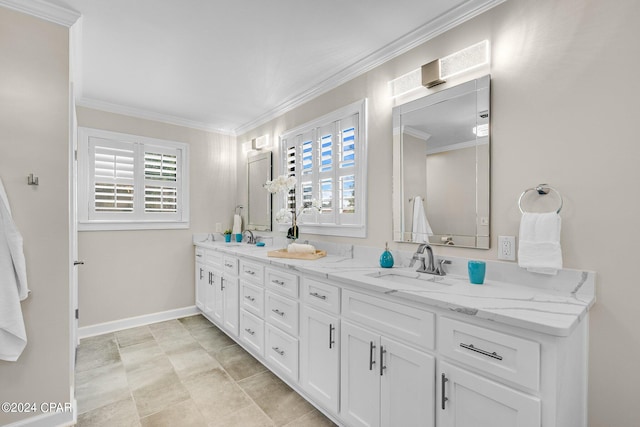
column 407, row 385
column 217, row 297
column 202, row 277
column 231, row 304
column 320, row 357
column 471, row 400
column 360, row 376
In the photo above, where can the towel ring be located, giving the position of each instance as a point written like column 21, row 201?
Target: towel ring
column 542, row 189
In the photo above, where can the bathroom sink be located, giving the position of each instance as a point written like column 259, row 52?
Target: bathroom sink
column 413, row 279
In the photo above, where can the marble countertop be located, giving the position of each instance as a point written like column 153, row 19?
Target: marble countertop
column 552, row 305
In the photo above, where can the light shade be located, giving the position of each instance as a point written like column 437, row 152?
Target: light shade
column 464, row 60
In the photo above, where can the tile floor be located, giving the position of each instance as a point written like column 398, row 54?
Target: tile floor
column 183, row 372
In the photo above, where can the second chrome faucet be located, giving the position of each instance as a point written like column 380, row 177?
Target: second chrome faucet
column 431, row 267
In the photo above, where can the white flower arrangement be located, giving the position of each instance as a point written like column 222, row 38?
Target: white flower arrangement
column 284, row 184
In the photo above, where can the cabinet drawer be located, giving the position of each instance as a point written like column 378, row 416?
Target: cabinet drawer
column 252, row 331
column 252, row 298
column 282, row 282
column 200, row 254
column 281, row 351
column 321, row 295
column 506, row 356
column 395, row 320
column 230, row 265
column 281, row 312
column 213, row 258
column 252, row 271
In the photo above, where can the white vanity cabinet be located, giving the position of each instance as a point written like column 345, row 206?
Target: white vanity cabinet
column 369, row 358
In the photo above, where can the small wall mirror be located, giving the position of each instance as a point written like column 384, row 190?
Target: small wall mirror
column 441, row 167
column 259, row 211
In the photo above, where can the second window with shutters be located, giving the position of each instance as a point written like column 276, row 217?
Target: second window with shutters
column 328, row 158
column 131, row 182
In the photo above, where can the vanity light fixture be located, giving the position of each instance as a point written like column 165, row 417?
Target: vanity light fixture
column 257, row 144
column 438, row 71
column 405, row 83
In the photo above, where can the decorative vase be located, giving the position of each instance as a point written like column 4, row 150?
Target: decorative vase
column 227, row 238
column 386, row 259
column 293, row 232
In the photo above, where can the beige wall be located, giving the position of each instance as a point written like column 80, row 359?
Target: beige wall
column 565, row 96
column 133, row 273
column 34, row 138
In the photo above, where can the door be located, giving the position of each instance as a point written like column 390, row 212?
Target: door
column 469, row 400
column 231, row 304
column 320, row 357
column 360, row 376
column 216, row 298
column 407, row 386
column 201, row 285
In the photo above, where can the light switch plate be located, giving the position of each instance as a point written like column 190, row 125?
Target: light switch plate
column 507, row 248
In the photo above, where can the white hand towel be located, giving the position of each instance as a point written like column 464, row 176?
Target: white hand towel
column 300, row 248
column 237, row 224
column 539, row 250
column 421, row 229
column 13, row 284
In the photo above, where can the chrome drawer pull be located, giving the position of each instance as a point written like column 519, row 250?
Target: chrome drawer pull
column 278, row 312
column 317, row 295
column 278, row 282
column 250, row 298
column 250, row 272
column 228, row 265
column 277, row 350
column 479, row 350
column 372, row 362
column 249, row 331
column 199, row 255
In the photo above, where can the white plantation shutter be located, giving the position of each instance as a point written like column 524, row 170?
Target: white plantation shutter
column 327, row 156
column 112, row 186
column 129, row 182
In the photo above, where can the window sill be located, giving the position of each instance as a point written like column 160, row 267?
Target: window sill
column 132, row 225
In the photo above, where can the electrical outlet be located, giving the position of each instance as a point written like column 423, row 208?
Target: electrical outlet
column 218, row 227
column 507, row 248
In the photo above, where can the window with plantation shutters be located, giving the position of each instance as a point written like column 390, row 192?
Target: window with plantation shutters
column 131, row 182
column 328, row 158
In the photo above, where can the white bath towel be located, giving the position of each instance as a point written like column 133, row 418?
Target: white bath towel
column 301, row 248
column 421, row 229
column 539, row 250
column 237, row 224
column 13, row 284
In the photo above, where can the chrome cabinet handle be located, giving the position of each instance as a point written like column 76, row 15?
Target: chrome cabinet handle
column 278, row 282
column 382, row 366
column 249, row 331
column 228, row 265
column 331, row 341
column 222, row 283
column 278, row 312
column 199, row 255
column 250, row 272
column 250, row 298
column 201, row 271
column 277, row 350
column 372, row 362
column 493, row 355
column 443, row 396
column 317, row 295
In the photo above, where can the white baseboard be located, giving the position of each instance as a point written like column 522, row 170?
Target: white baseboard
column 132, row 322
column 58, row 419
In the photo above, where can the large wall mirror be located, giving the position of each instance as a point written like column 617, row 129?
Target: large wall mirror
column 259, row 211
column 441, row 167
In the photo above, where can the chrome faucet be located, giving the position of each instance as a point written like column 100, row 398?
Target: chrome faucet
column 251, row 239
column 431, row 268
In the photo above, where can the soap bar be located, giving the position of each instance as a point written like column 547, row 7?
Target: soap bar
column 299, row 248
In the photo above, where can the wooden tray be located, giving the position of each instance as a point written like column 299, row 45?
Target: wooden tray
column 283, row 253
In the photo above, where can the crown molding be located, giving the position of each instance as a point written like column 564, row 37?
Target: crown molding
column 149, row 115
column 428, row 31
column 416, row 133
column 43, row 10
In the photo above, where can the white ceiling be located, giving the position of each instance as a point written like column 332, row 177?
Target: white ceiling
column 229, row 65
